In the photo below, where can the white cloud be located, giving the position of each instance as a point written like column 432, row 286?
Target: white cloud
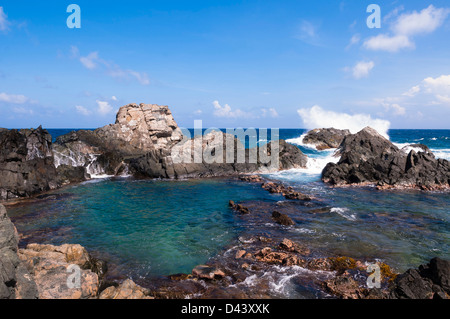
column 388, row 43
column 90, row 62
column 3, row 20
column 13, row 99
column 82, row 110
column 114, row 98
column 141, row 77
column 93, row 61
column 104, row 107
column 198, row 112
column 316, row 117
column 227, row 112
column 425, row 21
column 362, row 69
column 405, row 27
column 412, row 91
column 437, row 85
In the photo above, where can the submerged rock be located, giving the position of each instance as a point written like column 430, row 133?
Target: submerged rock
column 26, row 163
column 369, row 158
column 282, row 219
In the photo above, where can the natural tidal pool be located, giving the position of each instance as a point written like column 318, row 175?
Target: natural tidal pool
column 147, row 228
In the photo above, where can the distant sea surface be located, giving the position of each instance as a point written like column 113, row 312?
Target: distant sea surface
column 153, row 228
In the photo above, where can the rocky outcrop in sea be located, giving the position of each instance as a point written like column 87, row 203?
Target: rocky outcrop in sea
column 367, row 158
column 325, row 138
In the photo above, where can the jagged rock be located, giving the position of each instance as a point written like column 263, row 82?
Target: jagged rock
column 369, row 158
column 26, row 163
column 428, row 281
column 154, row 121
column 282, row 219
column 15, row 280
column 325, row 138
column 127, row 290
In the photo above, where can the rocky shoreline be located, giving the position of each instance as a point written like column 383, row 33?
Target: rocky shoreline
column 141, row 143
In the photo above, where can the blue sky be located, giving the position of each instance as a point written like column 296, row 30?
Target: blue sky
column 286, row 64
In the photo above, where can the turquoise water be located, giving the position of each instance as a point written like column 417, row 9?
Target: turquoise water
column 146, row 227
column 151, row 228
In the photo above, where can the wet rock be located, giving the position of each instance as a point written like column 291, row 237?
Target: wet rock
column 287, row 192
column 266, row 255
column 26, row 163
column 282, row 219
column 325, row 138
column 344, row 287
column 126, row 290
column 207, row 272
column 367, row 158
column 239, row 208
column 240, row 254
column 290, row 246
column 251, row 178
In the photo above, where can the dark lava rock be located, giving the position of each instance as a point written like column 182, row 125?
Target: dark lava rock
column 369, row 158
column 325, row 138
column 15, row 280
column 429, row 281
column 282, row 219
column 26, row 163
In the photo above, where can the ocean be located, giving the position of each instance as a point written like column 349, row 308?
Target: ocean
column 152, row 228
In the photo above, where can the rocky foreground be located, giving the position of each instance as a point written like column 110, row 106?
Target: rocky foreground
column 47, row 272
column 367, row 158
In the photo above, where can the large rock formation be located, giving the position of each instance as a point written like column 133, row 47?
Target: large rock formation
column 146, row 141
column 139, row 129
column 15, row 280
column 26, row 163
column 325, row 138
column 369, row 158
